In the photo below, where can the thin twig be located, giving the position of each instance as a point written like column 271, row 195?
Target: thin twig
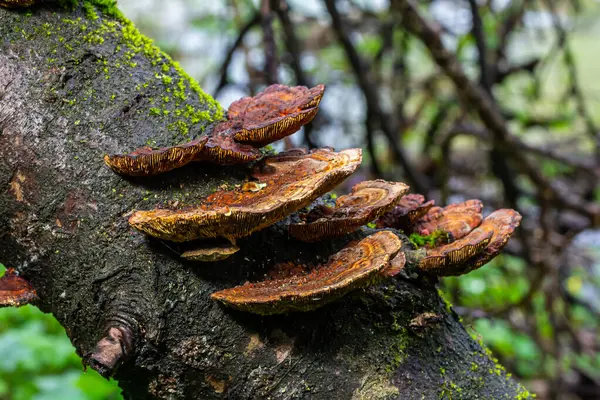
column 269, row 42
column 295, row 51
column 231, row 51
column 416, row 180
column 487, row 111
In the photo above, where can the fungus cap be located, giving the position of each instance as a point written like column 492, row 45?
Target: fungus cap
column 455, row 219
column 367, row 202
column 476, row 248
column 275, row 113
column 252, row 121
column 221, row 148
column 395, row 265
column 356, row 265
column 502, row 223
column 409, row 210
column 15, row 291
column 147, row 161
column 440, row 259
column 285, row 187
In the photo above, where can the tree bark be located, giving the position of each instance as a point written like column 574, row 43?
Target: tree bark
column 76, row 84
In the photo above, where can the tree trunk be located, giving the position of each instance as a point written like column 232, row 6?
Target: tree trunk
column 75, row 85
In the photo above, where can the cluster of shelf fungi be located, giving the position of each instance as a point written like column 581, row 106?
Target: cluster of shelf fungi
column 287, row 183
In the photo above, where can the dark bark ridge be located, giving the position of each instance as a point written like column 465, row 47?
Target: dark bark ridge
column 75, row 85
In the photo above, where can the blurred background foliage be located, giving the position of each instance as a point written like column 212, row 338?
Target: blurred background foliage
column 537, row 307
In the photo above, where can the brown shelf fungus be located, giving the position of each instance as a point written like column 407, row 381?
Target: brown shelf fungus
column 253, row 122
column 455, row 219
column 275, row 113
column 210, row 254
column 438, row 259
column 357, row 265
column 409, row 210
column 15, row 291
column 474, row 249
column 147, row 161
column 284, row 186
column 502, row 223
column 221, row 148
column 367, row 202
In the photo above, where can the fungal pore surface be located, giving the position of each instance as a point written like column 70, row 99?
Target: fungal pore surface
column 286, row 183
column 367, row 202
column 253, row 122
column 359, row 264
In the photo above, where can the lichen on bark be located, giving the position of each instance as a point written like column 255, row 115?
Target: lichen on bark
column 76, row 84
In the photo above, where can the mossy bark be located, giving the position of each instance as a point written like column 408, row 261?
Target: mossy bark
column 76, row 84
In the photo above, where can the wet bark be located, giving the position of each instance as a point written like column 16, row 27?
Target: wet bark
column 74, row 87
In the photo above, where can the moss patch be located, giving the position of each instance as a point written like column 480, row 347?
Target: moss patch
column 433, row 239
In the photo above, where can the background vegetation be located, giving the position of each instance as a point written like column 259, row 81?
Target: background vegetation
column 537, row 307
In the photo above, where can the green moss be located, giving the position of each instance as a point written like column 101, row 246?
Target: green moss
column 446, row 302
column 90, row 11
column 524, row 394
column 431, row 240
column 108, row 7
column 398, row 349
column 69, row 4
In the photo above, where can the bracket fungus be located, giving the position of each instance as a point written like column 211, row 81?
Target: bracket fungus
column 409, row 210
column 15, row 291
column 275, row 113
column 285, row 186
column 209, row 254
column 253, row 122
column 476, row 247
column 502, row 223
column 367, row 202
column 455, row 219
column 395, row 265
column 456, row 252
column 146, row 161
column 222, row 149
column 357, row 265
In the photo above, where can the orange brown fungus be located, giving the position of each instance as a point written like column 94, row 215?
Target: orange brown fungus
column 209, row 254
column 275, row 113
column 147, row 161
column 357, row 265
column 368, row 201
column 252, row 122
column 502, row 223
column 395, row 265
column 15, row 291
column 409, row 210
column 221, row 148
column 441, row 259
column 284, row 186
column 456, row 219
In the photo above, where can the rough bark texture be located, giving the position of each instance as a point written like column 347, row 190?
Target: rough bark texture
column 74, row 87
